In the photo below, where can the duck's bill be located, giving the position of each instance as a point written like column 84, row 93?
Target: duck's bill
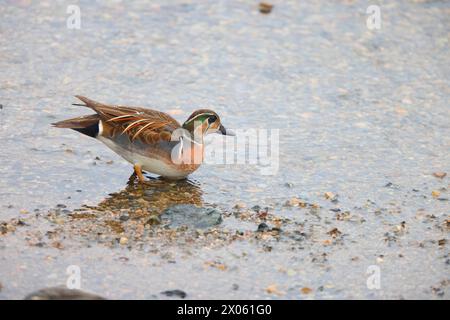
column 226, row 132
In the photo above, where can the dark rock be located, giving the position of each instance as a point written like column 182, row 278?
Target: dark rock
column 289, row 184
column 263, row 227
column 60, row 293
column 175, row 293
column 124, row 217
column 191, row 216
column 153, row 220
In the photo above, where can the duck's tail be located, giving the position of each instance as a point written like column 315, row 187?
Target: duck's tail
column 88, row 125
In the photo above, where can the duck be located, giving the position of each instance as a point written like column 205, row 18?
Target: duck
column 152, row 141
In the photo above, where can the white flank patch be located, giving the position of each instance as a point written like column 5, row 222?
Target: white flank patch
column 100, row 127
column 148, row 164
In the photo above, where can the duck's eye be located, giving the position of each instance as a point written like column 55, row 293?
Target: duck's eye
column 212, row 119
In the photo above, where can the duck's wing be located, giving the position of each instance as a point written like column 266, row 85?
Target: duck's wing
column 149, row 126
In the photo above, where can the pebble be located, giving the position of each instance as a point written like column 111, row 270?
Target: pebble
column 175, row 293
column 124, row 217
column 59, row 293
column 295, row 202
column 435, row 194
column 306, row 290
column 439, row 175
column 191, row 216
column 262, row 227
column 240, row 205
column 265, row 7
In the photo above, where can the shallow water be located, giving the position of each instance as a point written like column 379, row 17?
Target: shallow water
column 362, row 114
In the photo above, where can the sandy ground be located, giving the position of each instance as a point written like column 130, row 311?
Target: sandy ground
column 352, row 208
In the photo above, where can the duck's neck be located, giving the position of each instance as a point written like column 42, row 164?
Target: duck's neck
column 195, row 133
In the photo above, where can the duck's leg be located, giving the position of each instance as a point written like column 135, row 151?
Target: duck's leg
column 138, row 171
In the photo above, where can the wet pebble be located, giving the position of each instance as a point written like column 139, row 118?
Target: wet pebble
column 153, row 220
column 191, row 216
column 124, row 217
column 265, row 7
column 334, row 233
column 262, row 227
column 440, row 174
column 60, row 293
column 175, row 293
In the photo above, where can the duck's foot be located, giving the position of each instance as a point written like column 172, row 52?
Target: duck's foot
column 138, row 172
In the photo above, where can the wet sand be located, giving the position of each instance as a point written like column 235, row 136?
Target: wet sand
column 364, row 123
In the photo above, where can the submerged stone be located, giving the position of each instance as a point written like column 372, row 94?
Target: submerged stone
column 191, row 216
column 60, row 293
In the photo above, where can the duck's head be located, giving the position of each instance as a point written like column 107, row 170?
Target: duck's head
column 205, row 121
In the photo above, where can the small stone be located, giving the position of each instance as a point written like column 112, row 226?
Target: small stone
column 216, row 264
column 289, row 185
column 306, row 290
column 329, row 195
column 447, row 223
column 191, row 216
column 175, row 293
column 57, row 245
column 263, row 227
column 334, row 233
column 295, row 202
column 123, row 240
column 435, row 194
column 239, row 205
column 124, row 217
column 439, row 174
column 58, row 293
column 153, row 220
column 256, row 208
column 265, row 7
column 442, row 242
column 272, row 289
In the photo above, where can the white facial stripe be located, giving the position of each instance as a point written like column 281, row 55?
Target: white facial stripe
column 100, row 127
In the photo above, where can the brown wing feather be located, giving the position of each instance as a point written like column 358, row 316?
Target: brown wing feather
column 145, row 124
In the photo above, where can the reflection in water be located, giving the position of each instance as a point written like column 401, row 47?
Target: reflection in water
column 152, row 197
column 130, row 210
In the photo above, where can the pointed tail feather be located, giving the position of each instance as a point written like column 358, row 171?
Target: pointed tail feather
column 87, row 125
